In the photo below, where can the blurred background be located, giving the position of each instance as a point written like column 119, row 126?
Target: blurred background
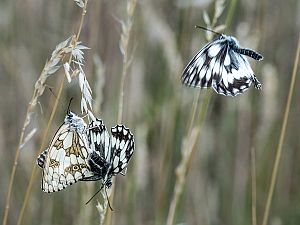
column 157, row 109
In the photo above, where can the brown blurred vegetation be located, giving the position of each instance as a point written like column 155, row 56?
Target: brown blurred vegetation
column 157, row 109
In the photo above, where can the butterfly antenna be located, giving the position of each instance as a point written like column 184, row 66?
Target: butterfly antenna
column 94, row 195
column 52, row 92
column 68, row 110
column 108, row 200
column 204, row 28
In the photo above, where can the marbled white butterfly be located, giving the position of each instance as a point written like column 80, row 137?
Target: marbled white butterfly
column 65, row 161
column 81, row 153
column 110, row 154
column 222, row 65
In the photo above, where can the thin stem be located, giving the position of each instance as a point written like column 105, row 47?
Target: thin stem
column 13, row 172
column 124, row 43
column 42, row 146
column 81, row 22
column 230, row 14
column 181, row 172
column 281, row 139
column 253, row 182
column 187, row 154
column 194, row 111
column 33, row 173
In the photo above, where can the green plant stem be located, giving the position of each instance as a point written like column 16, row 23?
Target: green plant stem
column 231, row 11
column 281, row 139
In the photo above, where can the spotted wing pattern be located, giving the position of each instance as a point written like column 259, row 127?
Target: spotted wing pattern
column 99, row 139
column 122, row 147
column 222, row 65
column 65, row 161
column 113, row 153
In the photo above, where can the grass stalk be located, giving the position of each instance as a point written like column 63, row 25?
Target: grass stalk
column 42, row 146
column 281, row 138
column 187, row 153
column 13, row 172
column 45, row 135
column 253, row 185
column 124, row 46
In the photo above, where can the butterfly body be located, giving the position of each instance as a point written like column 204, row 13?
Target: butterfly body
column 222, row 65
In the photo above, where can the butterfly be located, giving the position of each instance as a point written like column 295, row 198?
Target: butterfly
column 222, row 65
column 64, row 162
column 110, row 154
column 74, row 155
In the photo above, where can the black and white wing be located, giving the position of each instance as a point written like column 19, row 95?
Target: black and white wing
column 122, row 147
column 222, row 65
column 99, row 139
column 64, row 162
column 237, row 75
column 206, row 65
column 99, row 143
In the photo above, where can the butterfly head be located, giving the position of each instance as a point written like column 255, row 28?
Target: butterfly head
column 75, row 122
column 232, row 41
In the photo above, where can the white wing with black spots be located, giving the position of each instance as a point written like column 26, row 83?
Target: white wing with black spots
column 222, row 65
column 111, row 154
column 99, row 139
column 122, row 148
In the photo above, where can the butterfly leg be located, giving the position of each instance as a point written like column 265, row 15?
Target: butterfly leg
column 257, row 84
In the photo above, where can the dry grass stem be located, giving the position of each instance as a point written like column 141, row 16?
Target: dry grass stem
column 253, row 184
column 181, row 172
column 51, row 67
column 281, row 138
column 124, row 48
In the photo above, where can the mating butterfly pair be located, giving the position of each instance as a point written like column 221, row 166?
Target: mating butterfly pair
column 222, row 65
column 84, row 153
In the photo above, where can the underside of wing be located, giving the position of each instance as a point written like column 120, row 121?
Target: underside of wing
column 99, row 139
column 122, row 147
column 205, row 65
column 237, row 75
column 66, row 160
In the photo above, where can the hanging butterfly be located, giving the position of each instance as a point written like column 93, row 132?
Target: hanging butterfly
column 110, row 154
column 222, row 65
column 81, row 153
column 65, row 161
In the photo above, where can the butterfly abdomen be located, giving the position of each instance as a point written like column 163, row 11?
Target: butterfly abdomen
column 248, row 52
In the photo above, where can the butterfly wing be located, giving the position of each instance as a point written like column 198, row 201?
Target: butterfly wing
column 237, row 75
column 122, row 147
column 99, row 139
column 65, row 161
column 206, row 65
column 221, row 65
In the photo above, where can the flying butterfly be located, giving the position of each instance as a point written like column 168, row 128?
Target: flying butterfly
column 65, row 161
column 222, row 65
